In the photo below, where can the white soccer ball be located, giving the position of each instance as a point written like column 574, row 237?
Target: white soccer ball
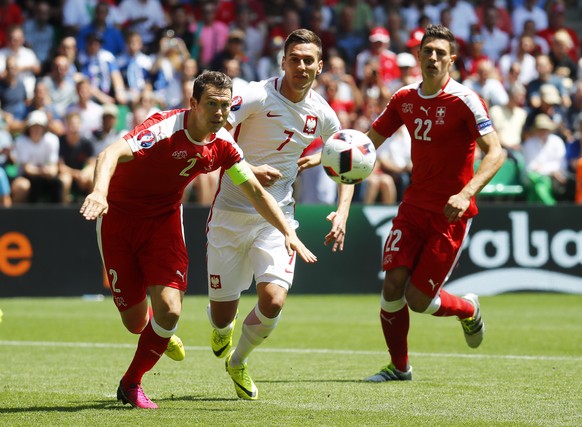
column 348, row 156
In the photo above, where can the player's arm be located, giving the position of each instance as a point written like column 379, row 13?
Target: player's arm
column 375, row 137
column 266, row 205
column 490, row 164
column 339, row 218
column 95, row 204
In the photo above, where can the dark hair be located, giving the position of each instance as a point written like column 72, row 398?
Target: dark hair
column 210, row 78
column 440, row 32
column 304, row 36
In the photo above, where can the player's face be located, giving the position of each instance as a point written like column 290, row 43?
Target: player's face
column 212, row 110
column 436, row 59
column 301, row 65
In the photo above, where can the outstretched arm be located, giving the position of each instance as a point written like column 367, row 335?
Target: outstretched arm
column 339, row 218
column 95, row 204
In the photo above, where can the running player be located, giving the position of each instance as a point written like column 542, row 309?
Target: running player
column 139, row 181
column 445, row 121
column 274, row 121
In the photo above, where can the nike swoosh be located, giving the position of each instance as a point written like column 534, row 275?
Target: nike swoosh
column 269, row 114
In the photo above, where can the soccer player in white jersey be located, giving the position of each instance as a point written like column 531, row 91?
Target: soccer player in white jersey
column 139, row 181
column 446, row 121
column 274, row 121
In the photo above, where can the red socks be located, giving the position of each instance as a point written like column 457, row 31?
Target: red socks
column 452, row 305
column 150, row 348
column 395, row 327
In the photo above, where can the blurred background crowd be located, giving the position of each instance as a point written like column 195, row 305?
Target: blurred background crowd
column 76, row 74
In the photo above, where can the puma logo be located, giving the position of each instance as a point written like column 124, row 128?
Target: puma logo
column 389, row 320
column 433, row 284
column 425, row 110
column 182, row 275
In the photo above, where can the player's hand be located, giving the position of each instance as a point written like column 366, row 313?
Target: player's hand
column 94, row 206
column 267, row 175
column 337, row 233
column 308, row 162
column 292, row 243
column 456, row 207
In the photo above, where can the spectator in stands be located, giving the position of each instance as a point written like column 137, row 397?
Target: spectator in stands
column 254, row 39
column 362, row 13
column 557, row 23
column 495, row 40
column 414, row 12
column 68, row 48
column 545, row 162
column 36, row 151
column 100, row 67
column 374, row 91
column 13, row 95
column 76, row 161
column 503, row 21
column 387, row 66
column 234, row 49
column 232, row 68
column 545, row 76
column 485, row 81
column 348, row 91
column 60, row 85
column 108, row 133
column 574, row 163
column 525, row 60
column 111, row 37
column 349, row 41
column 463, row 18
column 529, row 11
column 316, row 23
column 147, row 17
column 6, row 144
column 10, row 15
column 39, row 33
column 27, row 63
column 509, row 120
column 269, row 65
column 541, row 46
column 77, row 14
column 166, row 69
column 289, row 22
column 135, row 66
column 575, row 108
column 379, row 188
column 562, row 63
column 399, row 35
column 408, row 65
column 41, row 100
column 88, row 109
column 179, row 21
column 552, row 106
column 213, row 35
column 472, row 55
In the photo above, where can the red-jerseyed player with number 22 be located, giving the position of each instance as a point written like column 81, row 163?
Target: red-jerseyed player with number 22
column 445, row 121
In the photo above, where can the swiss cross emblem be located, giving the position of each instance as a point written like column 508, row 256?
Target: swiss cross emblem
column 440, row 114
column 310, row 125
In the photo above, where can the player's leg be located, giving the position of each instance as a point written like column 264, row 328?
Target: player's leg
column 426, row 294
column 395, row 321
column 222, row 316
column 152, row 343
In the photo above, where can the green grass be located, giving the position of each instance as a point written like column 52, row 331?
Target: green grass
column 61, row 360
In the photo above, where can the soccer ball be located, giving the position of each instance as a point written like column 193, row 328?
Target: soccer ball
column 348, row 156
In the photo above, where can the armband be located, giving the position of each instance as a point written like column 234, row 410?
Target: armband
column 239, row 172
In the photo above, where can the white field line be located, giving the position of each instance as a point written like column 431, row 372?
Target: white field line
column 300, row 351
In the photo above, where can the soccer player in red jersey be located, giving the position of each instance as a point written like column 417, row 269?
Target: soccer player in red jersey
column 139, row 181
column 445, row 121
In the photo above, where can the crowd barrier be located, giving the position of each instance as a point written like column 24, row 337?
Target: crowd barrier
column 52, row 251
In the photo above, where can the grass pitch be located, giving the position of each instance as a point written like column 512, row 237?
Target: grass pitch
column 61, row 360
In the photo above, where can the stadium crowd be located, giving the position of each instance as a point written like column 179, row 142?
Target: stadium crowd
column 76, row 74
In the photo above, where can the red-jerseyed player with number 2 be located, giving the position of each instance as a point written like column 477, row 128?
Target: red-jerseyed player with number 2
column 139, row 181
column 445, row 121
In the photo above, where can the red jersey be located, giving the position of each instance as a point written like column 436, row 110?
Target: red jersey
column 443, row 129
column 166, row 159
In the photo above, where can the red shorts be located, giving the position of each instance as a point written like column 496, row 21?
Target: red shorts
column 427, row 244
column 141, row 252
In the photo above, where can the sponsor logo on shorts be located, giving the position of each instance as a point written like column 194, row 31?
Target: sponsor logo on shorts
column 215, row 281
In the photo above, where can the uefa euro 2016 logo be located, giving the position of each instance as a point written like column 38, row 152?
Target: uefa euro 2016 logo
column 146, row 139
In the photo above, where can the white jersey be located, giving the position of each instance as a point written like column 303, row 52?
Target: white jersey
column 273, row 130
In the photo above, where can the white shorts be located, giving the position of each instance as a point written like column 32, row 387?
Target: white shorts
column 241, row 245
